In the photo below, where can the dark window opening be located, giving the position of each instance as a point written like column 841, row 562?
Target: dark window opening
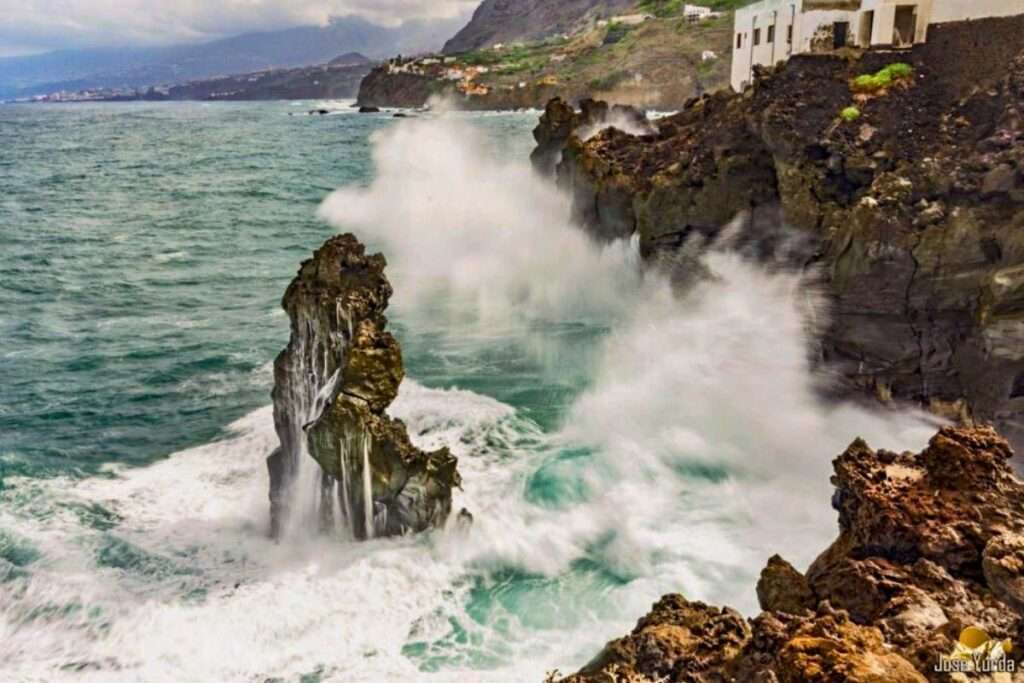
column 840, row 30
column 1018, row 387
column 739, row 40
column 789, row 34
column 771, row 34
column 905, row 28
column 757, row 36
column 992, row 250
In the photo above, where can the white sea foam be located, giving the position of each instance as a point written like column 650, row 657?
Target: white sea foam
column 699, row 448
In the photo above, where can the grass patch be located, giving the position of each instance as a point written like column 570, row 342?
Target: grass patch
column 850, row 114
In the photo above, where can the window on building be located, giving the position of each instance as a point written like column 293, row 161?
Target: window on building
column 771, row 34
column 757, row 36
column 789, row 34
column 739, row 40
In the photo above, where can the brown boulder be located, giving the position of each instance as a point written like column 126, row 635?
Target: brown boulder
column 782, row 588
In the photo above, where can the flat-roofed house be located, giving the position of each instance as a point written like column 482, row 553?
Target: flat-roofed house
column 770, row 31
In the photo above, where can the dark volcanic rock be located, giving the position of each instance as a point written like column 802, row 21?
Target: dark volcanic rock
column 382, row 88
column 333, row 383
column 561, row 122
column 913, row 213
column 929, row 544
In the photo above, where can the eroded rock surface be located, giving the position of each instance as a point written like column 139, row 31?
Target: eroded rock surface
column 929, row 544
column 344, row 464
column 914, row 211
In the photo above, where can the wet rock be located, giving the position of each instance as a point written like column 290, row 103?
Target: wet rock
column 561, row 122
column 557, row 124
column 929, row 544
column 343, row 463
column 898, row 210
column 369, row 110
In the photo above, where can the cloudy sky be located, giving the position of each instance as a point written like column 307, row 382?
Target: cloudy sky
column 28, row 26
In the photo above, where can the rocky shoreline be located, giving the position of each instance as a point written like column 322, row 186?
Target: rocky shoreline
column 906, row 205
column 929, row 545
column 344, row 465
column 910, row 212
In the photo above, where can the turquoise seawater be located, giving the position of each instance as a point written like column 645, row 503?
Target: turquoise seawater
column 617, row 440
column 146, row 248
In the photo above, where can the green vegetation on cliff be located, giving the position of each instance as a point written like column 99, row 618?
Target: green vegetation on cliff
column 660, row 62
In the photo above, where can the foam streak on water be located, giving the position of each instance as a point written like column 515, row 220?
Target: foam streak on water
column 695, row 447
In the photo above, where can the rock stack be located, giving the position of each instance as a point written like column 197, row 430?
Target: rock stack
column 343, row 463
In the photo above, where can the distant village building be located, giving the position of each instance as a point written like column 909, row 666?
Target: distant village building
column 696, row 13
column 769, row 31
column 626, row 19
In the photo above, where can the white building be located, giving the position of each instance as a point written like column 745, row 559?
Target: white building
column 769, row 31
column 695, row 13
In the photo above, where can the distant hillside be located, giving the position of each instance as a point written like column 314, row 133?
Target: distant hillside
column 338, row 79
column 139, row 67
column 503, row 21
column 658, row 62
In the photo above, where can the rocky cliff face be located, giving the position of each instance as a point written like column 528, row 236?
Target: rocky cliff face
column 929, row 544
column 914, row 208
column 502, row 21
column 343, row 464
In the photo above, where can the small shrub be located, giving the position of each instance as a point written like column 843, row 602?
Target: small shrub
column 899, row 70
column 872, row 83
column 850, row 114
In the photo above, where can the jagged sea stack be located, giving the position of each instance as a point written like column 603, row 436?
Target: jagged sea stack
column 344, row 466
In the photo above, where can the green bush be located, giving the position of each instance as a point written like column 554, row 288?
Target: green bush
column 899, row 70
column 869, row 83
column 850, row 114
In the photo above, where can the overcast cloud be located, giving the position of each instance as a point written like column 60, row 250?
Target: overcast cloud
column 39, row 25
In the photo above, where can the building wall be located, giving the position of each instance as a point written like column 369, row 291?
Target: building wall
column 778, row 13
column 813, row 27
column 817, row 30
column 944, row 11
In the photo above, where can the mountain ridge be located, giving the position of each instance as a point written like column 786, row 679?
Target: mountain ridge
column 496, row 21
column 73, row 70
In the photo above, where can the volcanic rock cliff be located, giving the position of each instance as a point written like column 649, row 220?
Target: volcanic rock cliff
column 912, row 201
column 343, row 464
column 929, row 545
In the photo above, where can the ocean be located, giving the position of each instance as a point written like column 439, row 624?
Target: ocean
column 618, row 439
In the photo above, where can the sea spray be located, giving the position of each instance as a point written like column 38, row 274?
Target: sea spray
column 368, row 508
column 696, row 446
column 702, row 415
